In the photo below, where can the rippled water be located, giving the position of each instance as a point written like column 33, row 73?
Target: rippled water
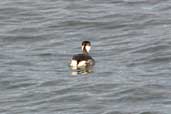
column 131, row 42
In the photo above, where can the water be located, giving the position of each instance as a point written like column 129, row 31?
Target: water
column 131, row 43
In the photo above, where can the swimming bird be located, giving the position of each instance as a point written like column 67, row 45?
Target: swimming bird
column 84, row 59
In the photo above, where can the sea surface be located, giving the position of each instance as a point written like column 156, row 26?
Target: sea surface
column 131, row 43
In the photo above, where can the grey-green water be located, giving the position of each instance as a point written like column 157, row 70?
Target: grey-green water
column 131, row 43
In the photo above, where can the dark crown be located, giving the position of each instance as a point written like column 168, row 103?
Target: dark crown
column 84, row 43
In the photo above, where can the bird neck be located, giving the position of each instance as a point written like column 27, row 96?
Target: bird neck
column 85, row 51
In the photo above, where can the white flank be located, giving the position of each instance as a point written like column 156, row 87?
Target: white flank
column 73, row 63
column 82, row 63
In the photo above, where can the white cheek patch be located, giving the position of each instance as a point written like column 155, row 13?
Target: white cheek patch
column 73, row 63
column 82, row 63
column 82, row 47
column 88, row 48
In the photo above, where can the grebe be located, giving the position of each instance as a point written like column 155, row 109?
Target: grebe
column 84, row 59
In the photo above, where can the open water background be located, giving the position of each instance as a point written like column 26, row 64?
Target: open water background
column 131, row 43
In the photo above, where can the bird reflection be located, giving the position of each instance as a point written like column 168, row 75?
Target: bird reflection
column 82, row 70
